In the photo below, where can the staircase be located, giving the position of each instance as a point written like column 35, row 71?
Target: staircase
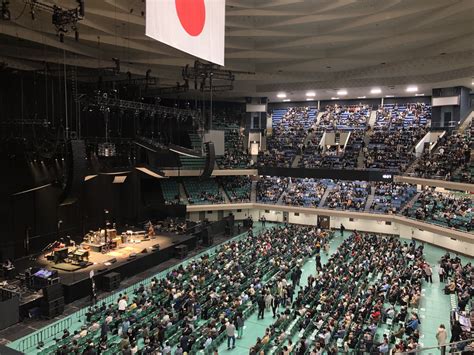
column 296, row 161
column 372, row 118
column 280, row 200
column 410, row 203
column 325, row 196
column 183, row 196
column 370, row 198
column 467, row 122
column 253, row 192
column 224, row 194
column 360, row 158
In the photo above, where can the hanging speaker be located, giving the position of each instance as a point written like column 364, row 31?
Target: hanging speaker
column 210, row 160
column 74, row 171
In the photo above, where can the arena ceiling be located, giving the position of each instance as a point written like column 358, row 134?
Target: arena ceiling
column 293, row 46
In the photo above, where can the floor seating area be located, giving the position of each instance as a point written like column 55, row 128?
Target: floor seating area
column 447, row 210
column 358, row 302
column 202, row 191
column 391, row 197
column 289, row 129
column 348, row 195
column 237, row 188
column 222, row 283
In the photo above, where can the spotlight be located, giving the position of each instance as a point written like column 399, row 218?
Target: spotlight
column 412, row 88
column 281, row 95
column 376, row 91
column 342, row 92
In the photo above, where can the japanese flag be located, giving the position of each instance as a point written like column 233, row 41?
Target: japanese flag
column 192, row 26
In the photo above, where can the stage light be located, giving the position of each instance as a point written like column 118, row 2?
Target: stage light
column 342, row 92
column 310, row 94
column 376, row 91
column 389, row 96
column 334, row 98
column 286, row 100
column 361, row 97
column 281, row 95
column 412, row 89
column 419, row 94
column 309, row 99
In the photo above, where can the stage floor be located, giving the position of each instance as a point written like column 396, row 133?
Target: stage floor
column 70, row 273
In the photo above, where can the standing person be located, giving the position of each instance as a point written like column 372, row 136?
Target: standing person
column 240, row 326
column 261, row 306
column 275, row 304
column 441, row 336
column 263, row 221
column 428, row 273
column 342, row 230
column 441, row 273
column 230, row 330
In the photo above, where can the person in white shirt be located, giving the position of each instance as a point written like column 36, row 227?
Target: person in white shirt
column 122, row 305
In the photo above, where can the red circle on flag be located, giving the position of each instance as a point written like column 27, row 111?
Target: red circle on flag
column 192, row 15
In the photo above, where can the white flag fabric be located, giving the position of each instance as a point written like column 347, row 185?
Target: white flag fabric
column 193, row 26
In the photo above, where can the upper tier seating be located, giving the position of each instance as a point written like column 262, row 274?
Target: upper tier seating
column 391, row 197
column 451, row 154
column 348, row 195
column 305, row 192
column 447, row 210
column 290, row 127
column 238, row 188
column 351, row 117
column 202, row 192
column 235, row 155
column 170, row 189
column 397, row 130
column 270, row 188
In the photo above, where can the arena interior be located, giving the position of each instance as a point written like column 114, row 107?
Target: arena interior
column 236, row 177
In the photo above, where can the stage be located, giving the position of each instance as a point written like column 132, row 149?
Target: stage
column 127, row 260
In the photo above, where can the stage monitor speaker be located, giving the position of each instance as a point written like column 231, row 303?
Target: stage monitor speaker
column 53, row 292
column 9, row 308
column 111, row 281
column 52, row 308
column 210, row 160
column 74, row 171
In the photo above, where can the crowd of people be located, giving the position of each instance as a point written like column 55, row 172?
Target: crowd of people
column 342, row 305
column 270, row 188
column 305, row 192
column 345, row 117
column 391, row 197
column 287, row 137
column 194, row 307
column 453, row 211
column 238, row 188
column 348, row 195
column 451, row 154
column 235, row 155
column 458, row 280
column 204, row 191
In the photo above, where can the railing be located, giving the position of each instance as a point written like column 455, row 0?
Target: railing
column 430, row 349
column 45, row 334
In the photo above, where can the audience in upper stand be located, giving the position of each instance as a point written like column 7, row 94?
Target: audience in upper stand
column 348, row 195
column 290, row 128
column 391, row 197
column 238, row 188
column 454, row 211
column 451, row 154
column 345, row 117
column 270, row 188
column 235, row 155
column 396, row 132
column 305, row 192
column 202, row 192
